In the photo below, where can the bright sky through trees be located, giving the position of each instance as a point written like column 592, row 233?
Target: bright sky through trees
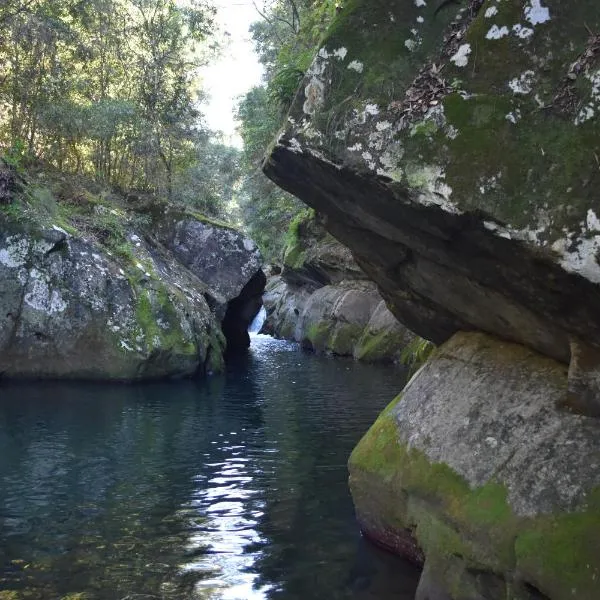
column 236, row 71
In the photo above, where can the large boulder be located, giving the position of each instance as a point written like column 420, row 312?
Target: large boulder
column 226, row 261
column 476, row 471
column 346, row 319
column 143, row 307
column 218, row 255
column 454, row 151
column 324, row 300
column 313, row 258
column 69, row 310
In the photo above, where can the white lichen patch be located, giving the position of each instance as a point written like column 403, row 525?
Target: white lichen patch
column 497, row 33
column 295, row 146
column 588, row 111
column 125, row 346
column 514, row 116
column 314, row 93
column 429, row 181
column 410, row 44
column 357, row 66
column 522, row 32
column 592, row 221
column 14, row 255
column 383, row 125
column 580, row 251
column 356, row 147
column 497, row 229
column 490, row 12
column 535, row 13
column 523, row 84
column 420, row 3
column 585, row 114
column 579, row 255
column 420, row 20
column 40, row 297
column 461, row 58
column 371, row 109
column 340, row 53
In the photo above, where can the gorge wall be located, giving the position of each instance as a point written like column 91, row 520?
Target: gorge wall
column 325, row 302
column 109, row 295
column 454, row 149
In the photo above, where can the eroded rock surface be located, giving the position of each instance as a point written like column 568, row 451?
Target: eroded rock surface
column 454, row 153
column 323, row 300
column 475, row 469
column 71, row 309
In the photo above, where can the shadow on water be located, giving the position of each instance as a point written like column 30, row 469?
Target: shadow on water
column 230, row 488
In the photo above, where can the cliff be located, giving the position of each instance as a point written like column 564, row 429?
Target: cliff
column 455, row 152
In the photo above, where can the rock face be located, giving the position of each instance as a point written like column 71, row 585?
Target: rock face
column 70, row 309
column 475, row 468
column 323, row 301
column 461, row 169
column 453, row 148
column 228, row 263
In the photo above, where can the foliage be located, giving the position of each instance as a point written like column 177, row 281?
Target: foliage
column 285, row 39
column 106, row 88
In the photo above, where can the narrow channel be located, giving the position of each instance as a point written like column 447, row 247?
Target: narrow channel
column 231, row 488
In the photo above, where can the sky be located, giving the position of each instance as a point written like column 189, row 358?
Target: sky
column 235, row 72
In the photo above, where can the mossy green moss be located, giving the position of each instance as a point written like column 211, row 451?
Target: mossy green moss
column 557, row 554
column 384, row 345
column 318, row 335
column 155, row 304
column 343, row 338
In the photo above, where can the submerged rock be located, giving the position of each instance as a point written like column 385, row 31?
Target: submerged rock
column 475, row 469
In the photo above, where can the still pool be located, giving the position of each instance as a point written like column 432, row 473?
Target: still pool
column 231, row 488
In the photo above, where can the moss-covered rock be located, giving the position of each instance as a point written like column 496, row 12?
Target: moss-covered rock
column 71, row 310
column 383, row 339
column 454, row 152
column 476, row 467
column 110, row 299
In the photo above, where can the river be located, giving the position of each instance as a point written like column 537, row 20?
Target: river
column 232, row 488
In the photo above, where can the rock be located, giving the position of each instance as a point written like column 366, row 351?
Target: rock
column 219, row 256
column 324, row 300
column 347, row 319
column 313, row 258
column 383, row 339
column 71, row 311
column 241, row 312
column 463, row 173
column 229, row 264
column 334, row 317
column 498, row 487
column 284, row 303
column 72, row 308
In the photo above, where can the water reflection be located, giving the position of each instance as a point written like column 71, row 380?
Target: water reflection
column 233, row 488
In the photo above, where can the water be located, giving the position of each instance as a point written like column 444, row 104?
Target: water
column 258, row 321
column 233, row 488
